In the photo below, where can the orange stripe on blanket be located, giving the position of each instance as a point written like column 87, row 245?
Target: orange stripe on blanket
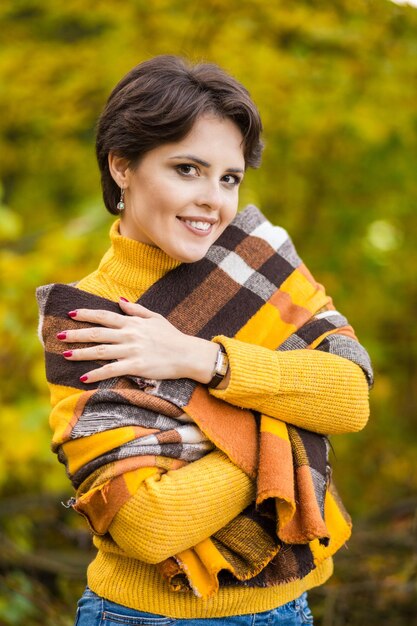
column 231, row 429
column 100, row 505
column 307, row 522
column 276, row 479
column 290, row 312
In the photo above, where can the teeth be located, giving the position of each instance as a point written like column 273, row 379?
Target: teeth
column 199, row 225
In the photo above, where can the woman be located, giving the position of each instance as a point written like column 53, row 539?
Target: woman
column 214, row 390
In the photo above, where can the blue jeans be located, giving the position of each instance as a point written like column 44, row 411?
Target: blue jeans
column 96, row 611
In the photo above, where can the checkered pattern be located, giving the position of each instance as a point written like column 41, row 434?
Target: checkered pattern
column 253, row 286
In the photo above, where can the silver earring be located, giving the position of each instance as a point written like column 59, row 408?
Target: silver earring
column 121, row 204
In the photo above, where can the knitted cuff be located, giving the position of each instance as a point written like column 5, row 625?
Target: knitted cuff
column 254, row 372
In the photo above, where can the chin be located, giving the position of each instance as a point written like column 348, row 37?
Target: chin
column 189, row 257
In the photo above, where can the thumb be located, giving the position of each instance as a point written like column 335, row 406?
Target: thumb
column 131, row 308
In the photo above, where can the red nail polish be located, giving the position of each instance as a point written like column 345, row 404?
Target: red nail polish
column 124, row 299
column 84, row 378
column 73, row 313
column 67, row 353
column 62, row 335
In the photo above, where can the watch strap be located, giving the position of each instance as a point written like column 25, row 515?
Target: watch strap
column 220, row 368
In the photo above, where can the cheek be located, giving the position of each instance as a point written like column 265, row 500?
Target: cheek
column 231, row 208
column 170, row 198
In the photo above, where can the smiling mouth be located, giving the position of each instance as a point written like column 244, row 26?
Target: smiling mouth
column 199, row 226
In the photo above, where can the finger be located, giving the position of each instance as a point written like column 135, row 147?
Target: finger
column 98, row 334
column 132, row 308
column 98, row 316
column 102, row 352
column 110, row 370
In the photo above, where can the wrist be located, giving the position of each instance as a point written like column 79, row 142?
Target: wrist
column 202, row 360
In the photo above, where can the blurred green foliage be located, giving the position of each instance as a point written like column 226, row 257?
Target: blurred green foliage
column 336, row 83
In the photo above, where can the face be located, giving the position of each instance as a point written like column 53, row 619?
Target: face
column 182, row 195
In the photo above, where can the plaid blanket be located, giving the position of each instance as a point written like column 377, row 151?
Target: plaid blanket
column 113, row 434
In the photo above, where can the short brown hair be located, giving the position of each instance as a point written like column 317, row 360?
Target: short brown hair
column 158, row 102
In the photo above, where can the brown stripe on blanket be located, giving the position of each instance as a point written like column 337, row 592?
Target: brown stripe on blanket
column 290, row 563
column 126, row 389
column 318, row 327
column 232, row 238
column 191, row 315
column 235, row 313
column 60, row 370
column 169, row 436
column 168, row 292
column 247, row 557
column 164, row 296
column 255, row 251
column 309, row 449
column 276, row 270
column 67, row 298
column 54, row 325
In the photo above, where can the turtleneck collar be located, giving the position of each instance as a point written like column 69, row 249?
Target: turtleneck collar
column 133, row 263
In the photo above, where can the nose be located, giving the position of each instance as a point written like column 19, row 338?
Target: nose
column 210, row 195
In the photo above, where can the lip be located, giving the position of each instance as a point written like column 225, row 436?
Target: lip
column 197, row 218
column 195, row 231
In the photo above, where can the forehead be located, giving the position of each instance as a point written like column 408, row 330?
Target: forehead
column 210, row 138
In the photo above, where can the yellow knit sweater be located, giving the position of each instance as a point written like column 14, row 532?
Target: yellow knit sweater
column 176, row 511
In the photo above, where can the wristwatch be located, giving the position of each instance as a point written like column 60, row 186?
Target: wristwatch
column 220, row 368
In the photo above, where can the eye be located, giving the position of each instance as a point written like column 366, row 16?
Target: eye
column 186, row 169
column 232, row 179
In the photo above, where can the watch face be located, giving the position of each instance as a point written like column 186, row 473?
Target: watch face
column 220, row 369
column 224, row 364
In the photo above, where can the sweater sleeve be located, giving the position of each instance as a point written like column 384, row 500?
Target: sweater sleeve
column 177, row 510
column 315, row 390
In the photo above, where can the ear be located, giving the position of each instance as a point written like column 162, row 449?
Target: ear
column 119, row 169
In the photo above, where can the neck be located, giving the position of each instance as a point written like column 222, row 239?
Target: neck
column 134, row 264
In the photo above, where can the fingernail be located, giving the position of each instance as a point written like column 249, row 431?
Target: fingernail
column 84, row 378
column 124, row 299
column 73, row 313
column 67, row 353
column 62, row 335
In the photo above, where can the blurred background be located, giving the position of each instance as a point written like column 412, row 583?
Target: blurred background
column 336, row 83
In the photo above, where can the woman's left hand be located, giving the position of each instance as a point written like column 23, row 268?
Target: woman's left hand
column 141, row 343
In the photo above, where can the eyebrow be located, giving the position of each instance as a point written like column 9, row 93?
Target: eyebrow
column 191, row 157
